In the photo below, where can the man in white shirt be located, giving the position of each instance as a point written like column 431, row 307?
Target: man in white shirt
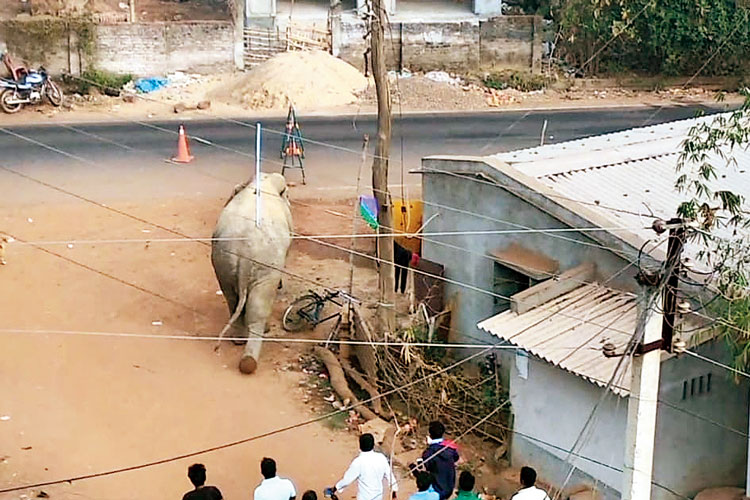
column 369, row 469
column 528, row 490
column 273, row 487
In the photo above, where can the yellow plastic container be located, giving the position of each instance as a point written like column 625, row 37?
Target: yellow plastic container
column 407, row 218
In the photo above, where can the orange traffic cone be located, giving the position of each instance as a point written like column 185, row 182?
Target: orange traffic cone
column 183, row 150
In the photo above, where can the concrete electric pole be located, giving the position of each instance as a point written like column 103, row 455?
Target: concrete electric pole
column 644, row 385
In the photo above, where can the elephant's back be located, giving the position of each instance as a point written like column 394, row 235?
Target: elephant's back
column 237, row 233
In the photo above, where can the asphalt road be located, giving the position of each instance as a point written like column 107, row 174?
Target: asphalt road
column 334, row 143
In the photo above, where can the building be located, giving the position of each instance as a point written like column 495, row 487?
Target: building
column 552, row 272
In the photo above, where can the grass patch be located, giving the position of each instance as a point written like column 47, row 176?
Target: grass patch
column 518, row 80
column 337, row 422
column 105, row 82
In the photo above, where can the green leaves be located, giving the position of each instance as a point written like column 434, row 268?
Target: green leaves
column 674, row 37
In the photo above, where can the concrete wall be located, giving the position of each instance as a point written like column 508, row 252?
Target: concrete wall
column 552, row 406
column 691, row 452
column 490, row 206
column 141, row 49
column 508, row 41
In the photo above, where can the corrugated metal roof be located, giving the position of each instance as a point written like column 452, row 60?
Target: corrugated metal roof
column 569, row 332
column 633, row 170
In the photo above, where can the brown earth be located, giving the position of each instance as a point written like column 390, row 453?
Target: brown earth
column 74, row 405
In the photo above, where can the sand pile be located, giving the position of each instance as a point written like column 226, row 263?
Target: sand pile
column 309, row 79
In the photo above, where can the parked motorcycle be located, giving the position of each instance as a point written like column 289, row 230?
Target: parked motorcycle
column 31, row 88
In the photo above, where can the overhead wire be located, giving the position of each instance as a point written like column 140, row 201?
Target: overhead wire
column 256, row 437
column 307, row 140
column 59, row 151
column 334, row 236
column 182, row 235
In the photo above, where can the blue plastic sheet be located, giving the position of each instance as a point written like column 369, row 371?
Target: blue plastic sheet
column 146, row 85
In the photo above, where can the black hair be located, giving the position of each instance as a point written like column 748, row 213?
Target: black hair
column 309, row 495
column 437, row 429
column 466, row 481
column 197, row 474
column 528, row 476
column 424, row 480
column 366, row 442
column 268, row 467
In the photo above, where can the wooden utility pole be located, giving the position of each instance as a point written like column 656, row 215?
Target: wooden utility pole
column 386, row 294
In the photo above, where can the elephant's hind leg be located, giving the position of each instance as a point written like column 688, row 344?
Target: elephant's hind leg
column 257, row 311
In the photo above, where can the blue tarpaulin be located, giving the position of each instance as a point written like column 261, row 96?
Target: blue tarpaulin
column 146, row 85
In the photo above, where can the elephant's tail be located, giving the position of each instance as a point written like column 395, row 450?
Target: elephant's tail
column 235, row 315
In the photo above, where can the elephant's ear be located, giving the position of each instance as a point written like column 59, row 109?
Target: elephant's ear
column 237, row 189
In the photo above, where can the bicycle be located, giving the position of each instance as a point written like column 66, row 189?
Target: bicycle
column 304, row 312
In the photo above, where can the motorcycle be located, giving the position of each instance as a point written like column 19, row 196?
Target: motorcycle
column 31, row 88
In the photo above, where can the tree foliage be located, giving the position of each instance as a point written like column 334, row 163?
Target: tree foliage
column 674, row 37
column 720, row 220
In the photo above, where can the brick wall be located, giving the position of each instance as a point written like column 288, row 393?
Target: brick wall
column 506, row 41
column 444, row 46
column 159, row 48
column 142, row 49
column 512, row 41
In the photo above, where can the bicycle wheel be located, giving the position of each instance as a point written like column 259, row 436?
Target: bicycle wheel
column 301, row 314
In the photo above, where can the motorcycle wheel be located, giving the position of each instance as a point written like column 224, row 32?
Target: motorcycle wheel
column 8, row 107
column 54, row 94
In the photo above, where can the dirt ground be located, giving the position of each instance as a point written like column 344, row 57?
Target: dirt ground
column 75, row 405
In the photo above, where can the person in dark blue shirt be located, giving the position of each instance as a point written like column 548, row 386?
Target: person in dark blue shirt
column 440, row 459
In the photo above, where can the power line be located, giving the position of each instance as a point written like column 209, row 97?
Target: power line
column 247, row 439
column 303, row 236
column 281, row 270
column 283, row 340
column 716, row 363
column 311, row 141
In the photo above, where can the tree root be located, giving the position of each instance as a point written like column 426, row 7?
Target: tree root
column 339, row 383
column 364, row 384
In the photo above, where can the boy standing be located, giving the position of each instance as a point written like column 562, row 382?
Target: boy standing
column 440, row 459
column 466, row 483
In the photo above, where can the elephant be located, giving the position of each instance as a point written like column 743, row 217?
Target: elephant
column 248, row 259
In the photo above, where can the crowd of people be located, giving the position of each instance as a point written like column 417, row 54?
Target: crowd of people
column 434, row 473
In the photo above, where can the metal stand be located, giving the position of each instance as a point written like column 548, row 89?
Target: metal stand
column 292, row 146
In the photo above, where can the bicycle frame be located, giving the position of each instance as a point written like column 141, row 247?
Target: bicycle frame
column 318, row 306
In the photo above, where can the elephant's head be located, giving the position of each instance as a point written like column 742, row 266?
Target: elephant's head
column 274, row 183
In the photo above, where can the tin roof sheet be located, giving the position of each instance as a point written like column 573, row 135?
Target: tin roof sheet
column 570, row 331
column 631, row 171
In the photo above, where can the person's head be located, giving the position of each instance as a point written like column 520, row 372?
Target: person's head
column 197, row 474
column 466, row 481
column 437, row 429
column 528, row 477
column 424, row 480
column 366, row 442
column 268, row 467
column 309, row 495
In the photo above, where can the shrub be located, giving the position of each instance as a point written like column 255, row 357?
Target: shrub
column 518, row 80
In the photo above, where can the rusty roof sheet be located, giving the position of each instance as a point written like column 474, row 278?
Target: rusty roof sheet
column 569, row 332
